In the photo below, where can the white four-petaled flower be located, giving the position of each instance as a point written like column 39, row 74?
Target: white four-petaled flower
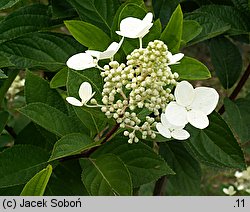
column 229, row 191
column 81, row 61
column 86, row 60
column 191, row 105
column 108, row 53
column 168, row 130
column 85, row 94
column 136, row 28
column 173, row 59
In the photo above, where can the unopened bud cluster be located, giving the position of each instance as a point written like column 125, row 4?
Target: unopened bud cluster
column 145, row 82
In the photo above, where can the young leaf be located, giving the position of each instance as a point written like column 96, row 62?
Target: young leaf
column 37, row 184
column 190, row 30
column 142, row 162
column 40, row 50
column 164, row 9
column 50, row 118
column 4, row 115
column 38, row 90
column 216, row 145
column 227, row 61
column 88, row 35
column 238, row 117
column 106, row 176
column 72, row 144
column 19, row 163
column 98, row 13
column 187, row 179
column 191, row 69
column 172, row 34
column 60, row 79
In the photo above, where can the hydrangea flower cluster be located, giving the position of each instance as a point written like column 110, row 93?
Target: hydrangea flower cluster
column 144, row 84
column 242, row 183
column 15, row 87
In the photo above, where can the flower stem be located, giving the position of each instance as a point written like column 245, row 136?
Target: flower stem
column 140, row 40
column 238, row 88
column 160, row 186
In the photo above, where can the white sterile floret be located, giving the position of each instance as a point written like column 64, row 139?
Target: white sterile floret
column 85, row 94
column 174, row 59
column 108, row 53
column 229, row 191
column 168, row 130
column 81, row 61
column 191, row 105
column 135, row 28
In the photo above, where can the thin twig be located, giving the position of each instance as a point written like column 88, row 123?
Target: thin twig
column 238, row 88
column 88, row 152
column 160, row 186
column 11, row 131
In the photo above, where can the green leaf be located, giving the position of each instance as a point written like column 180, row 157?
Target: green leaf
column 187, row 179
column 88, row 34
column 190, row 30
column 227, row 61
column 92, row 118
column 164, row 9
column 191, row 69
column 142, row 162
column 60, row 79
column 37, row 184
column 72, row 144
column 229, row 15
column 211, row 25
column 50, row 118
column 25, row 20
column 216, row 145
column 4, row 62
column 2, row 75
column 38, row 90
column 242, row 6
column 4, row 115
column 62, row 9
column 5, row 141
column 106, row 176
column 98, row 13
column 66, row 180
column 172, row 34
column 33, row 134
column 238, row 117
column 5, row 4
column 40, row 50
column 154, row 33
column 19, row 163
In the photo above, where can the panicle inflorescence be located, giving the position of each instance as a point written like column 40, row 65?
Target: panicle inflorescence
column 143, row 83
